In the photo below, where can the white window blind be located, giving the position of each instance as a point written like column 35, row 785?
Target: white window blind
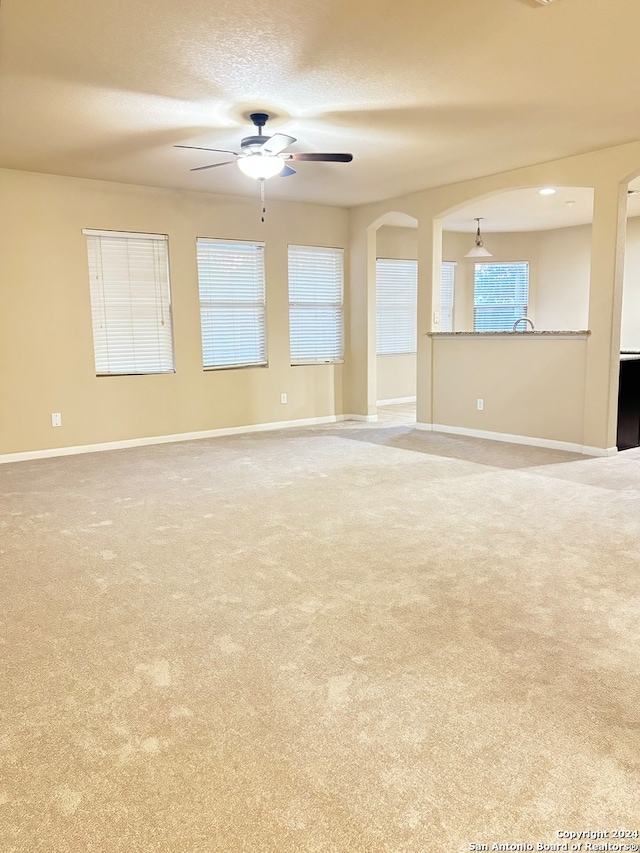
column 316, row 317
column 447, row 281
column 396, row 306
column 232, row 303
column 130, row 302
column 501, row 295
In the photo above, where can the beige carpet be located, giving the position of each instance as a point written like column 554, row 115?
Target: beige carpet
column 350, row 638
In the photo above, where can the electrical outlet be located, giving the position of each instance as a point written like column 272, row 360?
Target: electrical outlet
column 56, row 419
column 283, row 398
column 480, row 404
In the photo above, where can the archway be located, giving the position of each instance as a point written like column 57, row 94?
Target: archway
column 531, row 390
column 545, row 231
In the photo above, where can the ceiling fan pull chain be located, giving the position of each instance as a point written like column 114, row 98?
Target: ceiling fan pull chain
column 262, row 201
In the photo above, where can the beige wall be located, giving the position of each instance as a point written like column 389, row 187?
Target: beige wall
column 531, row 386
column 562, row 299
column 46, row 347
column 397, row 242
column 564, row 261
column 396, row 376
column 46, row 353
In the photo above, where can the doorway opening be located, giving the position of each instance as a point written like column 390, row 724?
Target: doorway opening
column 396, row 301
column 628, row 421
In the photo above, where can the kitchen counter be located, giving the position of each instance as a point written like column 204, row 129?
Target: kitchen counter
column 568, row 333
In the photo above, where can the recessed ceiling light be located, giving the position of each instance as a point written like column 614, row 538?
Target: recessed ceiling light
column 570, row 203
column 547, row 191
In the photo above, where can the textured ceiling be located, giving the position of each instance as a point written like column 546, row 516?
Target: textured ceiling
column 422, row 92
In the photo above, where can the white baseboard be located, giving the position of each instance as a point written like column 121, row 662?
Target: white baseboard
column 599, row 451
column 166, row 439
column 396, row 400
column 329, row 419
column 532, row 441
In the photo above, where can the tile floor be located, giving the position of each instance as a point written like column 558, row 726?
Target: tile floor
column 397, row 414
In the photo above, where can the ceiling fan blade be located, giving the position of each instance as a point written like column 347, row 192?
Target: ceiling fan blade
column 287, row 171
column 198, row 148
column 327, row 158
column 212, row 165
column 276, row 143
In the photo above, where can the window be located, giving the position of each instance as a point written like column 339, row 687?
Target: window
column 447, row 281
column 130, row 302
column 396, row 306
column 232, row 303
column 501, row 295
column 316, row 319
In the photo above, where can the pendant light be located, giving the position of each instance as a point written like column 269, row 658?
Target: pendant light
column 478, row 250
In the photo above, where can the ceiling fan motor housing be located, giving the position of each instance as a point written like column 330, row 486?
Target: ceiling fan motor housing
column 251, row 142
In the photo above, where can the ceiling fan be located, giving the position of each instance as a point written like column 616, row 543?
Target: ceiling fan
column 263, row 156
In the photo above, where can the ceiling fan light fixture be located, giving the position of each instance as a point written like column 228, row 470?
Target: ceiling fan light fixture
column 478, row 250
column 261, row 166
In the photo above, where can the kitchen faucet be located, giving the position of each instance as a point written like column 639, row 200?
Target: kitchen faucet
column 526, row 320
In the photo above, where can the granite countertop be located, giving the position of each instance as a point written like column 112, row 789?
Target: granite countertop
column 529, row 334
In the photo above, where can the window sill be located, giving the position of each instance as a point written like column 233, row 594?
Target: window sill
column 320, row 362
